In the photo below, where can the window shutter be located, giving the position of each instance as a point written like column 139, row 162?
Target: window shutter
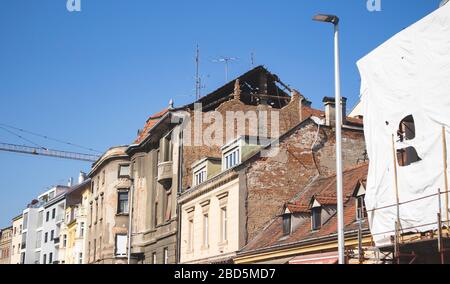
column 121, row 245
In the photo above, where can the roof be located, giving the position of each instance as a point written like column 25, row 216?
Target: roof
column 220, row 95
column 324, row 189
column 151, row 121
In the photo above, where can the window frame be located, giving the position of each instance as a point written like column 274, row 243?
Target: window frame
column 119, row 175
column 120, row 192
column 316, row 216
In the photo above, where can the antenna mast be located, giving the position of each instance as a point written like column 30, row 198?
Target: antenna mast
column 197, row 75
column 225, row 60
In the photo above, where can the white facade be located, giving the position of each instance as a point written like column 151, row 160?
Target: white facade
column 53, row 219
column 34, row 226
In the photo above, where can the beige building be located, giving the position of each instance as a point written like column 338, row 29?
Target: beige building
column 16, row 239
column 73, row 231
column 108, row 213
column 237, row 194
column 5, row 245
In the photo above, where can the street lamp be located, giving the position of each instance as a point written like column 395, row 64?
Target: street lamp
column 339, row 183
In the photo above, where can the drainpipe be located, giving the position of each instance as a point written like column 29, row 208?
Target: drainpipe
column 130, row 219
column 180, row 188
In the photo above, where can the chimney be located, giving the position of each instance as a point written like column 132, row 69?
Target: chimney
column 330, row 110
column 70, row 183
column 81, row 177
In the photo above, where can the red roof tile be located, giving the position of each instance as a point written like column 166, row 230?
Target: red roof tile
column 324, row 188
column 151, row 121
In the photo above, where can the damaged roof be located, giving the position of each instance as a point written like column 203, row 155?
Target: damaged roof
column 249, row 82
column 323, row 188
column 151, row 121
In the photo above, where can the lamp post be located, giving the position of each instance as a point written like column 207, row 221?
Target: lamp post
column 339, row 180
column 130, row 220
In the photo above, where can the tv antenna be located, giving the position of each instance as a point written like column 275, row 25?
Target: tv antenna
column 197, row 74
column 225, row 60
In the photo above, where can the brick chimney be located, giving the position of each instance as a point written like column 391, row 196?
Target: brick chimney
column 330, row 110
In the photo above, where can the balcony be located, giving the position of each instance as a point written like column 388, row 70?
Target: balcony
column 165, row 173
column 59, row 218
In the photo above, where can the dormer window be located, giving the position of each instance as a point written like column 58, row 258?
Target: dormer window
column 316, row 218
column 200, row 176
column 287, row 224
column 360, row 194
column 232, row 158
column 204, row 169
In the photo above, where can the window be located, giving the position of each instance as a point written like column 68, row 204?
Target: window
column 37, row 257
column 100, row 249
column 205, row 230
column 47, row 216
column 154, row 258
column 361, row 211
column 80, row 258
column 25, row 220
column 223, row 224
column 124, row 171
column 53, row 213
column 13, row 250
column 200, row 176
column 20, row 231
column 316, row 218
column 191, row 235
column 232, row 158
column 44, row 261
column 166, row 148
column 121, row 245
column 406, row 132
column 50, row 258
column 101, row 208
column 64, row 240
column 40, row 219
column 95, row 250
column 18, row 248
column 38, row 239
column 168, row 206
column 81, row 229
column 287, row 224
column 91, row 209
column 52, row 235
column 15, row 231
column 122, row 206
column 166, row 255
column 103, row 177
column 89, row 251
column 46, row 237
column 155, row 215
column 96, row 211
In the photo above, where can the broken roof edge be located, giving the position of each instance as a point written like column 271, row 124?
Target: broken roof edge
column 231, row 83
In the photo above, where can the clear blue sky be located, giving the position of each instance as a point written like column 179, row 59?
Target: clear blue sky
column 94, row 77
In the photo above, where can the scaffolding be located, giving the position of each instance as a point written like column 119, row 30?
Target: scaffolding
column 412, row 244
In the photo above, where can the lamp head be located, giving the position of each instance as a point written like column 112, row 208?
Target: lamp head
column 326, row 18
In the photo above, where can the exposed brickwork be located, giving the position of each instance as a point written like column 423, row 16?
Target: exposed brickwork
column 289, row 116
column 273, row 181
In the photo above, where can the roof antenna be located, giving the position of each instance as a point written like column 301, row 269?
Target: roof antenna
column 253, row 58
column 225, row 60
column 197, row 74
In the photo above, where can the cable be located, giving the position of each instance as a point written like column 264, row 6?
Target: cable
column 23, row 138
column 49, row 138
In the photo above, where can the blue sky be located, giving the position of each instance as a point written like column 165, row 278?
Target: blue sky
column 94, row 77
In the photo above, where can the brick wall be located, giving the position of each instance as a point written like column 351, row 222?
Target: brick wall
column 271, row 182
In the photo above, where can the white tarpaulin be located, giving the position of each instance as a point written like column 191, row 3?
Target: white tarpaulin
column 407, row 75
